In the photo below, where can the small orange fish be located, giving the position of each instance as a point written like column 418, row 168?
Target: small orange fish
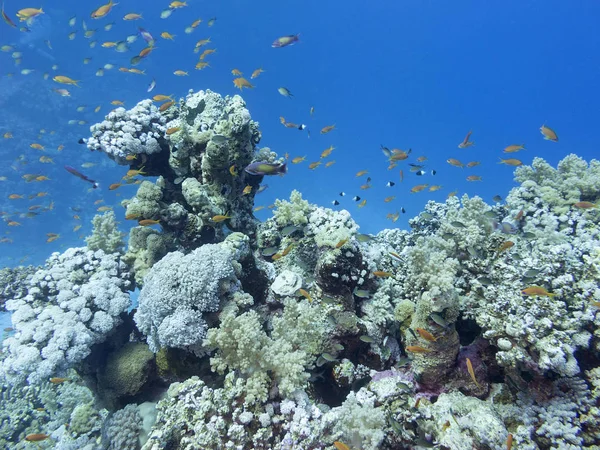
column 36, row 437
column 472, row 373
column 361, row 173
column 435, row 187
column 241, row 83
column 103, row 10
column 305, row 294
column 166, row 105
column 511, row 162
column 37, row 146
column 314, row 165
column 167, row 35
column 418, row 188
column 399, row 155
column 455, row 162
column 473, row 178
column 417, row 349
column 514, row 148
column 340, row 445
column 473, row 164
column 172, row 130
column 548, row 133
column 132, row 216
column 382, row 274
column 327, row 129
column 298, row 159
column 114, row 186
column 57, row 380
column 585, row 205
column 181, row 73
column 341, row 243
column 327, row 151
column 389, row 199
column 330, row 163
column 363, row 203
column 52, row 237
column 509, row 441
column 148, row 222
column 27, row 13
column 16, row 196
column 256, row 73
column 505, row 246
column 536, row 291
column 247, row 190
column 426, row 335
column 220, row 218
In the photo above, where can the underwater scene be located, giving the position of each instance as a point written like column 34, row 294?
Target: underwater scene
column 299, row 225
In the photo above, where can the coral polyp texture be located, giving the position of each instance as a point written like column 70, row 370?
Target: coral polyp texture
column 476, row 328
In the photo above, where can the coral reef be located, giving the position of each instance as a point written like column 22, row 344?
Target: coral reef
column 72, row 303
column 105, row 234
column 178, row 290
column 13, row 282
column 139, row 131
column 477, row 328
column 200, row 167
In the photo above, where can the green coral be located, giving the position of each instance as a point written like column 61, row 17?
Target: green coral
column 84, row 418
column 127, row 370
column 295, row 212
column 105, row 234
column 298, row 335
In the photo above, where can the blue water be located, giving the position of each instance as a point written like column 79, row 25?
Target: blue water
column 410, row 74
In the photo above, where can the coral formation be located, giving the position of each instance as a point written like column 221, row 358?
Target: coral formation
column 105, row 234
column 139, row 131
column 475, row 329
column 71, row 304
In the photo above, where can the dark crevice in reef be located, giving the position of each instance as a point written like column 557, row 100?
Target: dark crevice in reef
column 468, row 330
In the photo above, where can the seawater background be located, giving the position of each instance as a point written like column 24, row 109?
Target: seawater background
column 406, row 74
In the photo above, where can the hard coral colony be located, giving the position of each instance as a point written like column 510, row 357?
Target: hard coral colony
column 477, row 329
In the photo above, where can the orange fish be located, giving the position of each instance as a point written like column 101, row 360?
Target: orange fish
column 256, row 73
column 305, row 294
column 340, row 445
column 36, row 437
column 166, row 105
column 473, row 178
column 511, row 162
column 426, row 335
column 114, row 186
column 585, row 205
column 327, row 129
column 241, row 83
column 417, row 349
column 533, row 291
column 148, row 222
column 514, row 148
column 16, row 196
column 472, row 373
column 509, row 441
column 382, row 274
column 314, row 165
column 418, row 188
column 103, row 10
column 455, row 162
column 548, row 133
column 28, row 13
